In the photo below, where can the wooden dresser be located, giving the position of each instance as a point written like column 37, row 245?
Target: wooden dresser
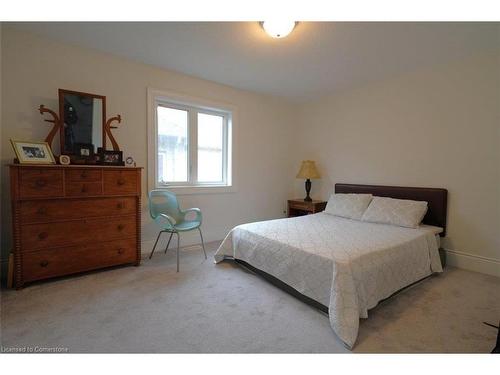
column 69, row 219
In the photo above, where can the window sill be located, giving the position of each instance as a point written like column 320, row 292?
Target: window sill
column 200, row 189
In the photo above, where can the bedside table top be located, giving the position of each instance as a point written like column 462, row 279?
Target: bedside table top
column 302, row 201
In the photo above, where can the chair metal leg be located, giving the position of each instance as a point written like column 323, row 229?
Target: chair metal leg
column 178, row 246
column 154, row 247
column 202, row 243
column 168, row 243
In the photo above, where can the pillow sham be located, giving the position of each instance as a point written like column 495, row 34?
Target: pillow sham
column 351, row 206
column 401, row 212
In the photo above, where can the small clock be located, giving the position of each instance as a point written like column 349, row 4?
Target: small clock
column 64, row 160
column 130, row 161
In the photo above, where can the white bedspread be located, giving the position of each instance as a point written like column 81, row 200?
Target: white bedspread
column 344, row 264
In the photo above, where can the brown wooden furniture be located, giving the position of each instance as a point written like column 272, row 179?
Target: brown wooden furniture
column 299, row 207
column 69, row 219
column 58, row 121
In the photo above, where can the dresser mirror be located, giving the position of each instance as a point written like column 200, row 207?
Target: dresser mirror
column 83, row 120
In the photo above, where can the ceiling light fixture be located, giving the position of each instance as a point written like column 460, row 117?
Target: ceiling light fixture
column 278, row 29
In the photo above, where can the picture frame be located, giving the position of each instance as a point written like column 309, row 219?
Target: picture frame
column 107, row 157
column 84, row 150
column 29, row 152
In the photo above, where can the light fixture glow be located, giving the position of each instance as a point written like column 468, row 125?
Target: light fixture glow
column 278, row 29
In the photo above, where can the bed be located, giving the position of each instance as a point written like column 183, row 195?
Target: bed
column 343, row 266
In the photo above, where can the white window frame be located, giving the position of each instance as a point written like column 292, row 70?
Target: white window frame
column 194, row 106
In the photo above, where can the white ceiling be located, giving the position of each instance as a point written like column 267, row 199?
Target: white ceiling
column 318, row 58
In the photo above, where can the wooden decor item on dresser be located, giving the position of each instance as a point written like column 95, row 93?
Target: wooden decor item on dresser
column 70, row 219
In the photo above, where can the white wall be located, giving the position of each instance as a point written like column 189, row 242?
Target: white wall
column 34, row 68
column 438, row 127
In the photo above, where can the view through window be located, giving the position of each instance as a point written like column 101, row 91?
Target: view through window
column 192, row 145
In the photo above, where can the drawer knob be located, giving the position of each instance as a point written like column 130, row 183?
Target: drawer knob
column 121, row 226
column 83, row 175
column 42, row 235
column 120, row 205
column 44, row 263
column 40, row 182
column 121, row 250
column 121, row 181
column 84, row 189
column 41, row 211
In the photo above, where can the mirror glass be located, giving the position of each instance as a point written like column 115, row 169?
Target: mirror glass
column 83, row 120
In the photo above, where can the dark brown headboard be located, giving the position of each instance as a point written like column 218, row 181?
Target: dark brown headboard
column 436, row 199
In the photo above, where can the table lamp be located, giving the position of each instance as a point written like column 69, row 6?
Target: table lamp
column 307, row 171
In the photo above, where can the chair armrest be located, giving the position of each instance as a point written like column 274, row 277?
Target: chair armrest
column 165, row 221
column 198, row 217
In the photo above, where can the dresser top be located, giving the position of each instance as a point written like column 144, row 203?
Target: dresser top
column 71, row 166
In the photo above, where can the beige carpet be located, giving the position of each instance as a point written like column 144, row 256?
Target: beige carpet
column 223, row 308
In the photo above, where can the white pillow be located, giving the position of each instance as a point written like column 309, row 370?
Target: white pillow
column 401, row 212
column 351, row 206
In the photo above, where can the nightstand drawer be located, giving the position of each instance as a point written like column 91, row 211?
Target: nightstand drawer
column 299, row 207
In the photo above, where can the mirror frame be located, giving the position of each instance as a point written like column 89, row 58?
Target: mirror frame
column 61, row 115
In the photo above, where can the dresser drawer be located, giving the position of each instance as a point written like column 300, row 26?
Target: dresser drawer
column 38, row 211
column 83, row 189
column 76, row 232
column 83, row 175
column 120, row 182
column 43, row 182
column 66, row 260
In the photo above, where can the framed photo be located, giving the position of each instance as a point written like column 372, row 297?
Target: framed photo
column 110, row 157
column 33, row 152
column 84, row 150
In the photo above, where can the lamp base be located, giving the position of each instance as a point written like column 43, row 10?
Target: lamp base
column 308, row 190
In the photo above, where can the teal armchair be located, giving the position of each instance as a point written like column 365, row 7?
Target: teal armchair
column 165, row 211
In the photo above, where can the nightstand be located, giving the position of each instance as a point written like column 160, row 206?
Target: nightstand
column 299, row 207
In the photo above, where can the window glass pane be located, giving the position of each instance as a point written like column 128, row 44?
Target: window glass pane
column 172, row 145
column 210, row 145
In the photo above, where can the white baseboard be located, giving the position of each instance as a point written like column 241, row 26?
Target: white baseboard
column 471, row 262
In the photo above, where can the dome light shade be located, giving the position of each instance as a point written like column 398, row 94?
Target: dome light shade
column 278, row 29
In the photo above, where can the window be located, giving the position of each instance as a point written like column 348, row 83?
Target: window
column 192, row 144
column 172, row 144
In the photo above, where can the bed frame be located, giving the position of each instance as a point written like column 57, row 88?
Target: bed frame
column 437, row 200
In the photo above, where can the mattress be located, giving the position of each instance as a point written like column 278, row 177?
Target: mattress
column 347, row 265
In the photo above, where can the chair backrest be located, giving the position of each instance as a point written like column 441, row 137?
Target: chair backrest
column 164, row 202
